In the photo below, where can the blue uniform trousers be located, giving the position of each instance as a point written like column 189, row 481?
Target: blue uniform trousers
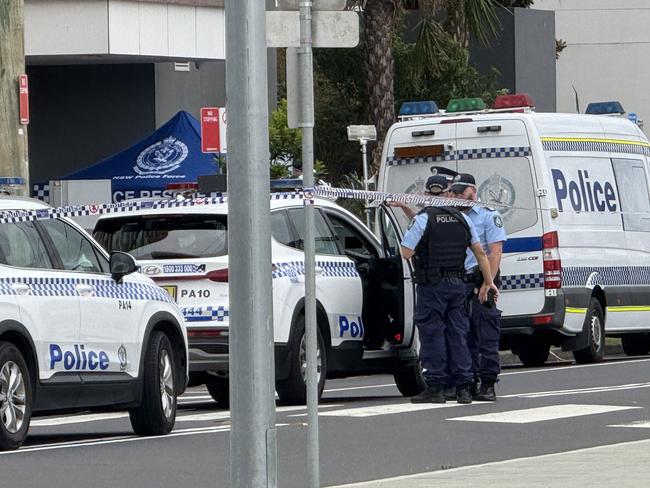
column 443, row 325
column 483, row 339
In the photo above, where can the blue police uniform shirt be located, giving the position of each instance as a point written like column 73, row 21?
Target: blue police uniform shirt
column 489, row 227
column 419, row 224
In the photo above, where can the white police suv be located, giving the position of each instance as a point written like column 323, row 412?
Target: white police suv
column 80, row 330
column 359, row 287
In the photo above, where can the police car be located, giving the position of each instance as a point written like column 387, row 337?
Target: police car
column 359, row 290
column 81, row 330
column 573, row 191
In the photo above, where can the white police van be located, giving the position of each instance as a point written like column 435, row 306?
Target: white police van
column 359, row 290
column 573, row 193
column 80, row 330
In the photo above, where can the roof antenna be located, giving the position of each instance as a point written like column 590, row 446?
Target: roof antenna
column 577, row 99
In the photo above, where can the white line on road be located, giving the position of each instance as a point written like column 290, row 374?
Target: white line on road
column 553, row 369
column 541, row 414
column 77, row 419
column 578, row 391
column 350, row 388
column 639, row 424
column 386, row 409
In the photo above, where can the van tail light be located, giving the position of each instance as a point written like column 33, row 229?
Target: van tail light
column 219, row 275
column 552, row 261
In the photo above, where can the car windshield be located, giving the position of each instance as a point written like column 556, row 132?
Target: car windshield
column 165, row 236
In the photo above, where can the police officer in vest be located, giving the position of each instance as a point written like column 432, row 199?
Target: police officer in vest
column 437, row 240
column 485, row 319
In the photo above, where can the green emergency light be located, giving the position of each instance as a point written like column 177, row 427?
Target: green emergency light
column 465, row 105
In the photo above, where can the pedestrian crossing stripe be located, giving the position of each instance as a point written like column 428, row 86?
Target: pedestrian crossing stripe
column 638, row 424
column 541, row 414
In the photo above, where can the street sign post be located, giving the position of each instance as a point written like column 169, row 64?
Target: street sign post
column 210, row 136
column 23, row 100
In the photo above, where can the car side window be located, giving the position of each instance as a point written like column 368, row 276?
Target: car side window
column 76, row 252
column 354, row 242
column 21, row 245
column 325, row 240
column 280, row 228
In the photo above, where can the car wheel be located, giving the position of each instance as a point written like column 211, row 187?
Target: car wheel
column 408, row 375
column 15, row 397
column 219, row 391
column 292, row 390
column 533, row 351
column 156, row 413
column 636, row 344
column 595, row 326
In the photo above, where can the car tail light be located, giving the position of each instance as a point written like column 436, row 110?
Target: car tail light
column 552, row 261
column 542, row 319
column 219, row 275
column 206, row 332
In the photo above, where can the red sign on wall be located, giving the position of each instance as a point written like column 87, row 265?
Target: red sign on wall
column 23, row 100
column 210, row 140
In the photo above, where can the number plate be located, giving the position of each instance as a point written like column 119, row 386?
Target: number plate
column 171, row 290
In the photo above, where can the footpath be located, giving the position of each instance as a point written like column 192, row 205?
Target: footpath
column 623, row 465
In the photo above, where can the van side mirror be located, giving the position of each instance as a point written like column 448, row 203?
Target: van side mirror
column 122, row 264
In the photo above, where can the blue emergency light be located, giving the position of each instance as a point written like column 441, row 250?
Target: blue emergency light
column 409, row 109
column 605, row 108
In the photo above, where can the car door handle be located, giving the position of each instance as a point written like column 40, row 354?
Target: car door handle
column 85, row 290
column 21, row 288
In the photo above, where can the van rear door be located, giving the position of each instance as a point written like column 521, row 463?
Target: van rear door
column 498, row 154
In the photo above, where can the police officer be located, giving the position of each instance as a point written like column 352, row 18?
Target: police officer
column 438, row 239
column 485, row 320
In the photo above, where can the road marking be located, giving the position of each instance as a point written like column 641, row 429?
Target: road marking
column 639, row 424
column 541, row 414
column 226, row 415
column 553, row 369
column 395, row 480
column 360, row 387
column 577, row 391
column 77, row 419
column 386, row 409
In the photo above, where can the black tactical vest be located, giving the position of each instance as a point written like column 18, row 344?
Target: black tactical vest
column 442, row 249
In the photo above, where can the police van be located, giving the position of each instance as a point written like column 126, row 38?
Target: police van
column 573, row 192
column 80, row 329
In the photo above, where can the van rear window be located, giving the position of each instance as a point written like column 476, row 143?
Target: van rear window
column 165, row 236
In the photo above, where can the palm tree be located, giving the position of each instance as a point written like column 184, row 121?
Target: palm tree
column 461, row 17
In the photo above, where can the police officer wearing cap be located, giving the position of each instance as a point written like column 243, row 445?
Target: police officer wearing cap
column 437, row 240
column 485, row 319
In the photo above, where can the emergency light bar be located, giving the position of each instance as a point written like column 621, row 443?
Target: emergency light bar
column 465, row 105
column 411, row 109
column 515, row 100
column 605, row 108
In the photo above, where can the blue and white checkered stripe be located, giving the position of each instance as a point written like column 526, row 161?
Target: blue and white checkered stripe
column 522, row 282
column 595, row 146
column 205, row 314
column 41, row 191
column 606, row 276
column 465, row 155
column 102, row 288
column 294, row 269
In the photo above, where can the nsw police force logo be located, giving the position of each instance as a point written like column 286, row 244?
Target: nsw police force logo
column 162, row 157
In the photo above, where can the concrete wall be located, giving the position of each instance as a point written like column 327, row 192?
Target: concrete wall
column 81, row 114
column 608, row 44
column 524, row 54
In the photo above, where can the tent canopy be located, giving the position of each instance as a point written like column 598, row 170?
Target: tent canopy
column 172, row 154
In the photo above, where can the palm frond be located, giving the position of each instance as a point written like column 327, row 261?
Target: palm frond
column 481, row 19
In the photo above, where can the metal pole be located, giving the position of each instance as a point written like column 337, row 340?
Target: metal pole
column 253, row 462
column 311, row 337
column 364, row 151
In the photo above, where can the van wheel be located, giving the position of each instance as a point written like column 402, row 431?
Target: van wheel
column 636, row 344
column 595, row 326
column 292, row 390
column 156, row 413
column 533, row 351
column 409, row 379
column 219, row 391
column 15, row 397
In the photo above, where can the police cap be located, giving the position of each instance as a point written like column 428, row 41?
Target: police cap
column 450, row 174
column 436, row 184
column 462, row 181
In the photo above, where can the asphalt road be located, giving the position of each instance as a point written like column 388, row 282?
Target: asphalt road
column 367, row 431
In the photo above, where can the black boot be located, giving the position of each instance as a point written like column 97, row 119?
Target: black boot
column 473, row 389
column 463, row 395
column 486, row 392
column 450, row 393
column 431, row 394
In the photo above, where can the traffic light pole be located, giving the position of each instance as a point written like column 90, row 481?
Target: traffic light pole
column 253, row 446
column 305, row 57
